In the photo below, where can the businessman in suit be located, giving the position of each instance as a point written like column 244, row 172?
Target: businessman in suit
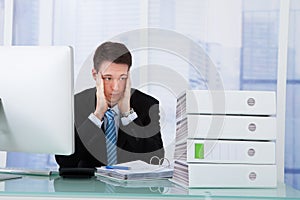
column 114, row 123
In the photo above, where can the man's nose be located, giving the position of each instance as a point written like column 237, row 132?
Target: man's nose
column 115, row 84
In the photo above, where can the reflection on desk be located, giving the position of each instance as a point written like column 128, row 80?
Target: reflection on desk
column 96, row 186
column 57, row 187
column 236, row 192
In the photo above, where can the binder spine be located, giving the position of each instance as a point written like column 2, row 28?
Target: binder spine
column 234, row 152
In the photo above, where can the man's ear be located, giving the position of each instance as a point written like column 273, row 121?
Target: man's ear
column 94, row 73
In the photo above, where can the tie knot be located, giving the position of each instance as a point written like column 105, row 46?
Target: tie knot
column 109, row 114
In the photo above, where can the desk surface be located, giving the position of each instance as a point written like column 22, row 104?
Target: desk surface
column 40, row 187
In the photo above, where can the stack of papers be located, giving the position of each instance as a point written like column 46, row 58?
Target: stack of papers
column 136, row 183
column 137, row 170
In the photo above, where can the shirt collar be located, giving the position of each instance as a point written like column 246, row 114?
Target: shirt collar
column 116, row 110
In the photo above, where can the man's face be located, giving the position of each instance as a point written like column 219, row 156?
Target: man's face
column 114, row 81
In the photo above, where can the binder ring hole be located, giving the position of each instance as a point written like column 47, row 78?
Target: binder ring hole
column 252, row 127
column 251, row 152
column 251, row 102
column 160, row 161
column 252, row 176
column 154, row 158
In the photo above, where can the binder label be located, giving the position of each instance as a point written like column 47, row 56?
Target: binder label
column 199, row 150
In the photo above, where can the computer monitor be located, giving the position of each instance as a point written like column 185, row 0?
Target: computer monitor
column 36, row 92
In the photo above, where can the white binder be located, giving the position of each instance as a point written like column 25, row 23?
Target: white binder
column 239, row 152
column 230, row 102
column 231, row 127
column 224, row 175
column 225, row 139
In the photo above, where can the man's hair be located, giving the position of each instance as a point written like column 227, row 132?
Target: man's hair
column 112, row 52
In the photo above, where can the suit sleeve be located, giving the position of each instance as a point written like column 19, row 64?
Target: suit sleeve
column 143, row 135
column 89, row 138
column 89, row 147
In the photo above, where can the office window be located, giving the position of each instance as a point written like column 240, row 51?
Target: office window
column 292, row 157
column 1, row 21
column 238, row 36
column 200, row 23
column 86, row 24
column 26, row 22
column 259, row 45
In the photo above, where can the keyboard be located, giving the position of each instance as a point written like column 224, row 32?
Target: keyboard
column 25, row 171
column 4, row 177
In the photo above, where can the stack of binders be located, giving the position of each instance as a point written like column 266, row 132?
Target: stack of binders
column 225, row 139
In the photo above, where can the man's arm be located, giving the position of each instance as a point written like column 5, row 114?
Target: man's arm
column 142, row 136
column 90, row 149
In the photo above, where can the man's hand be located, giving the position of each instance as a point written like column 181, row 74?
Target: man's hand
column 101, row 105
column 124, row 103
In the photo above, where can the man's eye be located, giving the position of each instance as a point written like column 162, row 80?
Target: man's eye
column 107, row 78
column 123, row 78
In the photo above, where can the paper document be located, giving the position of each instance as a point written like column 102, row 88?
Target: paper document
column 138, row 170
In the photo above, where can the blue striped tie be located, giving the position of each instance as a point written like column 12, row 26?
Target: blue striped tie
column 111, row 139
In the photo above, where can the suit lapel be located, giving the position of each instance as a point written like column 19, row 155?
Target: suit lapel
column 121, row 137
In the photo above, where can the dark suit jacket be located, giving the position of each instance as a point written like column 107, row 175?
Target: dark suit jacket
column 140, row 140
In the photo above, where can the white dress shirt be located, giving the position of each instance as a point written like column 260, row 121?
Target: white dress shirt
column 125, row 120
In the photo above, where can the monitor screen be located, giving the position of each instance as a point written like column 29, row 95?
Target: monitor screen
column 36, row 106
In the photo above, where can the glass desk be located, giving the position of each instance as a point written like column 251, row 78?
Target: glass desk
column 54, row 187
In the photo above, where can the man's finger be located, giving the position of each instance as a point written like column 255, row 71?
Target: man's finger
column 97, row 80
column 128, row 83
column 101, row 81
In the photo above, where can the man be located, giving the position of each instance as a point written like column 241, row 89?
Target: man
column 113, row 123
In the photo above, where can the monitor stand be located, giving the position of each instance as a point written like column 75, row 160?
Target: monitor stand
column 3, row 121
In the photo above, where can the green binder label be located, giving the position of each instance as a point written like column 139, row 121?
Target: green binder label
column 199, row 150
